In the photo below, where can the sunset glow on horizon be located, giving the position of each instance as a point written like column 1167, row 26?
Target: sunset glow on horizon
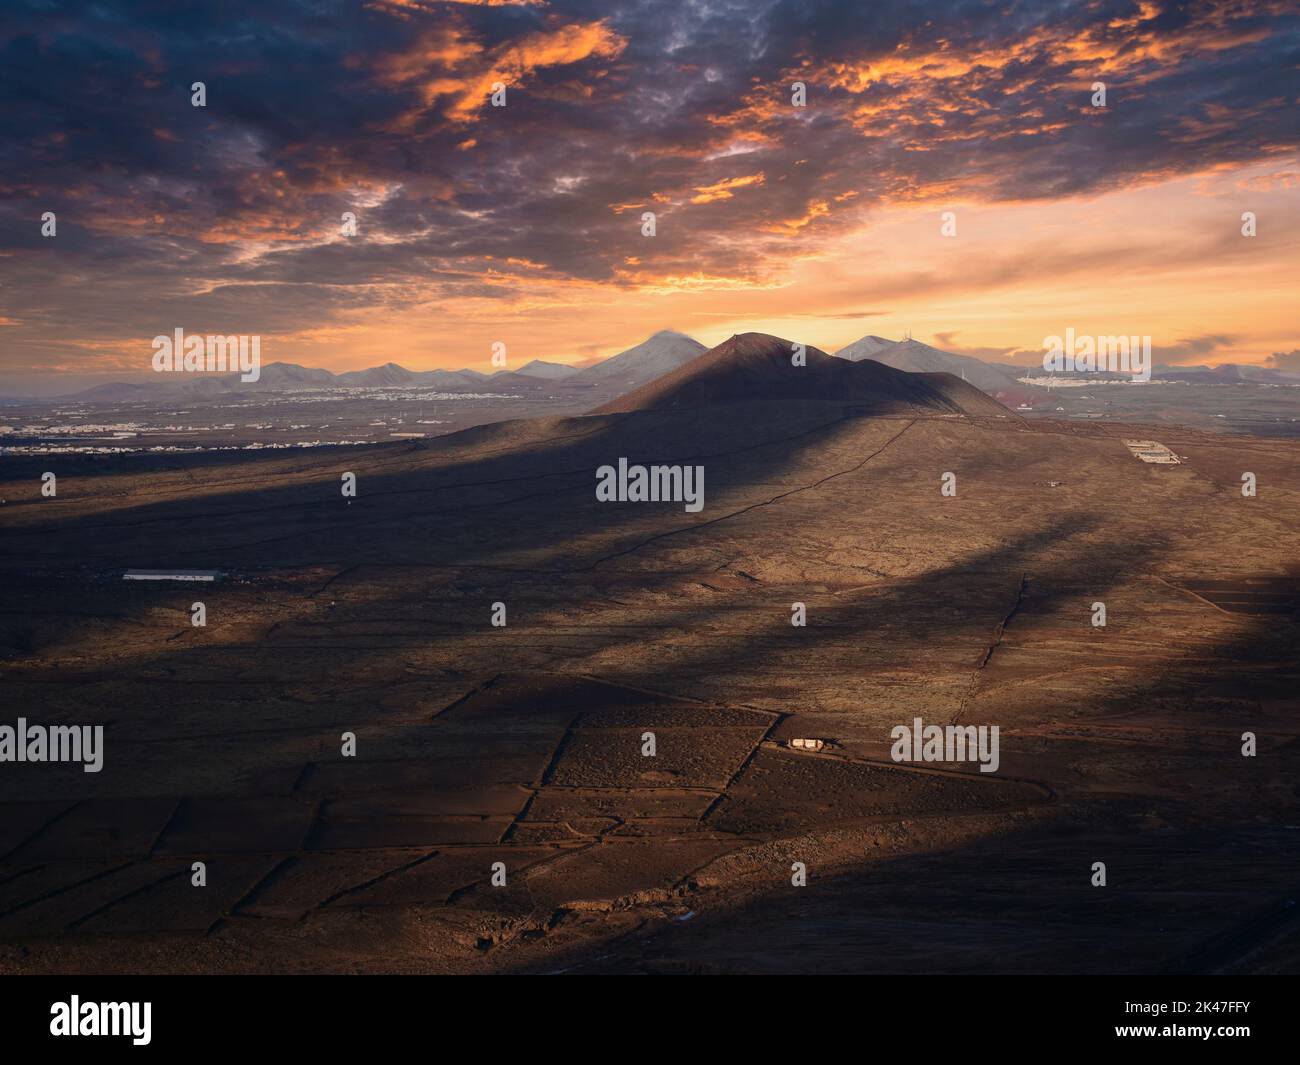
column 522, row 224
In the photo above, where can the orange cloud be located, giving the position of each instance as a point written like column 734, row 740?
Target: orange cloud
column 405, row 9
column 816, row 209
column 722, row 190
column 445, row 63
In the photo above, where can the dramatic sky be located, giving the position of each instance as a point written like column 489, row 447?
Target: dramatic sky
column 523, row 224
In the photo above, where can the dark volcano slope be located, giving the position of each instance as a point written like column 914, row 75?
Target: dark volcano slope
column 755, row 366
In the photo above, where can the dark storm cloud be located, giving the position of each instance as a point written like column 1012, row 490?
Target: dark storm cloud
column 1190, row 348
column 169, row 213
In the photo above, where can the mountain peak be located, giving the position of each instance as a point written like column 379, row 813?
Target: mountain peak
column 546, row 370
column 760, row 348
column 864, row 347
column 915, row 356
column 659, row 354
column 752, row 367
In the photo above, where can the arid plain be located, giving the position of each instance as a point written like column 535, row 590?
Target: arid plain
column 522, row 744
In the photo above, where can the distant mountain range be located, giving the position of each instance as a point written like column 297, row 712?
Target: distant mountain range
column 915, row 357
column 653, row 360
column 1003, row 380
column 1227, row 373
column 288, row 376
column 653, row 357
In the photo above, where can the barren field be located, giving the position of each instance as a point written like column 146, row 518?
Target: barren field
column 522, row 744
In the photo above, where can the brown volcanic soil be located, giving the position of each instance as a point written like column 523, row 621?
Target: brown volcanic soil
column 521, row 745
column 755, row 366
